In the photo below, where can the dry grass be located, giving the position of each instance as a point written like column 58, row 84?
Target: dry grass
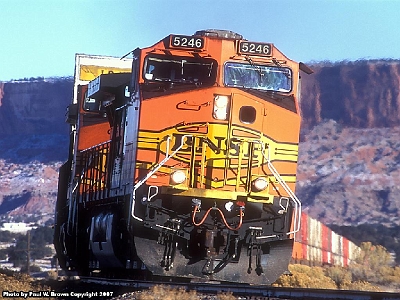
column 17, row 282
column 161, row 292
column 324, row 278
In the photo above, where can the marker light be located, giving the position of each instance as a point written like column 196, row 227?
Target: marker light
column 220, row 111
column 178, row 176
column 260, row 184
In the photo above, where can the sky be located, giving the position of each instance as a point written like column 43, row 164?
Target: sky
column 40, row 38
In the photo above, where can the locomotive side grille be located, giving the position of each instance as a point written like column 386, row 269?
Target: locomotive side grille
column 94, row 181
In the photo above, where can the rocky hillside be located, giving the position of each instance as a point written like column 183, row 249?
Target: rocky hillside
column 29, row 173
column 33, row 136
column 349, row 153
column 350, row 176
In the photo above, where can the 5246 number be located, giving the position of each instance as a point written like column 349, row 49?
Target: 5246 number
column 182, row 41
column 255, row 48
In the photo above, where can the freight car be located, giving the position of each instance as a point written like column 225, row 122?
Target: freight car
column 317, row 244
column 186, row 165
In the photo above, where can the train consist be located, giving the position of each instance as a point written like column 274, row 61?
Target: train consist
column 184, row 165
column 317, row 244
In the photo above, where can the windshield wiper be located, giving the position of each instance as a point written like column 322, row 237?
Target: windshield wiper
column 257, row 68
column 279, row 65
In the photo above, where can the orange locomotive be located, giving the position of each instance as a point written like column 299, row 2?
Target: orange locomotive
column 185, row 166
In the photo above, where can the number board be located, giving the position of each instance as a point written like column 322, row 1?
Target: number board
column 93, row 86
column 183, row 41
column 250, row 48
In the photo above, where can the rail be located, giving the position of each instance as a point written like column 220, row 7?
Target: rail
column 241, row 290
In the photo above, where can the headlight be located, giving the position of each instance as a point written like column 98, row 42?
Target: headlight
column 220, row 111
column 229, row 206
column 221, row 101
column 260, row 184
column 178, row 176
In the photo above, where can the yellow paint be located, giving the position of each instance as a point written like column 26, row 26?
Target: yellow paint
column 218, row 153
column 88, row 73
column 220, row 147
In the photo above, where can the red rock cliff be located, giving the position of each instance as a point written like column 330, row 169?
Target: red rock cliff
column 361, row 94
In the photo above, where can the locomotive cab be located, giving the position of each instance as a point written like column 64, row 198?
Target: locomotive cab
column 196, row 176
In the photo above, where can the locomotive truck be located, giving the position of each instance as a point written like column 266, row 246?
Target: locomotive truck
column 184, row 165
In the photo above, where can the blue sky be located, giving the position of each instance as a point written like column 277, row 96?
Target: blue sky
column 40, row 38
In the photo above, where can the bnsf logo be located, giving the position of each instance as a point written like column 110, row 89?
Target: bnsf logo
column 219, row 145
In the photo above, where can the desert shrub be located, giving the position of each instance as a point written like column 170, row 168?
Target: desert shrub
column 361, row 272
column 161, row 292
column 372, row 264
column 167, row 293
column 52, row 275
column 339, row 275
column 373, row 256
column 306, row 277
column 360, row 286
column 226, row 296
column 389, row 276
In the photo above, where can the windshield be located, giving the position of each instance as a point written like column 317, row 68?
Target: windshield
column 193, row 70
column 259, row 77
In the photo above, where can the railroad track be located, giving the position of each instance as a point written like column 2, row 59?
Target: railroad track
column 91, row 287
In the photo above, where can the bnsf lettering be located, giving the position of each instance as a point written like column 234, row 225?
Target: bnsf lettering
column 234, row 149
column 219, row 145
column 216, row 148
column 187, row 143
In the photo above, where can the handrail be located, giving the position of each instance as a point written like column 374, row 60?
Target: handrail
column 297, row 202
column 73, row 197
column 94, row 173
column 153, row 170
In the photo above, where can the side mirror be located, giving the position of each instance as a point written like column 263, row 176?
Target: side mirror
column 72, row 114
column 91, row 104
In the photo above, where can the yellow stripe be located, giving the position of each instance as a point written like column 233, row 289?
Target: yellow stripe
column 156, row 141
column 219, row 153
